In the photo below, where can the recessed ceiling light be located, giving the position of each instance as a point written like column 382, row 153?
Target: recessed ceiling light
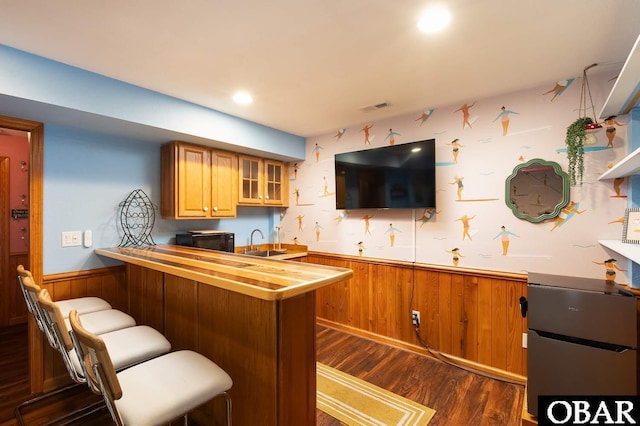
column 243, row 98
column 434, row 19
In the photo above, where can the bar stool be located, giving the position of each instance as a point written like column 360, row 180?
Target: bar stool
column 81, row 304
column 99, row 322
column 153, row 392
column 129, row 346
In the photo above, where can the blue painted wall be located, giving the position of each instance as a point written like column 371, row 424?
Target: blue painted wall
column 87, row 176
column 102, row 141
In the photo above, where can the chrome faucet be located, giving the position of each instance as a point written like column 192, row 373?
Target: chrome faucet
column 251, row 240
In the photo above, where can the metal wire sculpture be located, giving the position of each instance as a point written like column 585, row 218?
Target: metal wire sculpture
column 137, row 217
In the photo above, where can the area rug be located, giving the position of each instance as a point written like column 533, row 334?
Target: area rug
column 356, row 402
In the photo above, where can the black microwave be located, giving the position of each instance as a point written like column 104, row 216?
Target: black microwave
column 210, row 240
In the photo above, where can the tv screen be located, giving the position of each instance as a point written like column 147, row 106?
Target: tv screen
column 397, row 176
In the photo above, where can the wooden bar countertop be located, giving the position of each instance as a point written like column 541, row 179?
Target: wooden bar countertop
column 259, row 277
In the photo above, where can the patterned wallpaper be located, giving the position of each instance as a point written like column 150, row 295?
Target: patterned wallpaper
column 478, row 143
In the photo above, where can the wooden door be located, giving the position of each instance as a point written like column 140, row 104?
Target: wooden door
column 224, row 166
column 194, row 181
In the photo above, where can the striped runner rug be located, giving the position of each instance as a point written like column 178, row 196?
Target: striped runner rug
column 356, row 402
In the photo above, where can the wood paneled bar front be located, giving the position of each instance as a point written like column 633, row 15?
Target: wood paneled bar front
column 254, row 317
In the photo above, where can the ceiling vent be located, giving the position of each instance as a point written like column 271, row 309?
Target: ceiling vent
column 375, row 107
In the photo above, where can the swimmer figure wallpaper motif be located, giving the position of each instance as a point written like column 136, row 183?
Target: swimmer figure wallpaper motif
column 478, row 143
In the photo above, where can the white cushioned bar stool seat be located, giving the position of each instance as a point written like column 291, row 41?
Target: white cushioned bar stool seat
column 129, row 345
column 165, row 388
column 101, row 322
column 153, row 392
column 83, row 305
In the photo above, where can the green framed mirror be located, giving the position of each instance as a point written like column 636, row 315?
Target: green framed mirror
column 537, row 190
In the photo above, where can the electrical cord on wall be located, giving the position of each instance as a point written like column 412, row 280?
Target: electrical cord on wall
column 439, row 355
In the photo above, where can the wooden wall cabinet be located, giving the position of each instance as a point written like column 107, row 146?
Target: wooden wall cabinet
column 262, row 182
column 195, row 182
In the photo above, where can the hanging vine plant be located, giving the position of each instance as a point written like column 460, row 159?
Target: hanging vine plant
column 578, row 130
column 576, row 135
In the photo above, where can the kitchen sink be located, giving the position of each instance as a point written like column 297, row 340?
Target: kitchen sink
column 265, row 253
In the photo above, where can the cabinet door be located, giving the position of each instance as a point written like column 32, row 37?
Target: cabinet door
column 194, row 181
column 224, row 167
column 250, row 179
column 275, row 183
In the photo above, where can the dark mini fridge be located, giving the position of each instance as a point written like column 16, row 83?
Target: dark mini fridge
column 582, row 338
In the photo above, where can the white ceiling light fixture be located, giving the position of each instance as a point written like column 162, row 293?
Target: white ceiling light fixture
column 243, row 98
column 434, row 19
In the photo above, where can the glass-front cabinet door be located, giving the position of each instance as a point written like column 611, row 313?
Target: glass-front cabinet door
column 250, row 174
column 274, row 179
column 262, row 182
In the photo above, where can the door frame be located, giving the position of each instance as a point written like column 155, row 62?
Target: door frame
column 36, row 158
column 4, row 230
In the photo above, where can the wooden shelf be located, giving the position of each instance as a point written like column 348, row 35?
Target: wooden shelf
column 629, row 165
column 630, row 251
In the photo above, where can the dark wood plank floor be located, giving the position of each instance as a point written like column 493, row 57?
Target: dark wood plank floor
column 459, row 397
column 14, row 369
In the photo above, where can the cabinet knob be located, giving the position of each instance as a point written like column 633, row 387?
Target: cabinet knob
column 215, row 209
column 267, row 197
column 259, row 197
column 205, row 209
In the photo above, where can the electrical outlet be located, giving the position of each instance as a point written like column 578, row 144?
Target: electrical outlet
column 524, row 340
column 415, row 317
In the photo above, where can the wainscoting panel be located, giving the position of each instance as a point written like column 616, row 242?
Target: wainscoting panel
column 474, row 315
column 470, row 314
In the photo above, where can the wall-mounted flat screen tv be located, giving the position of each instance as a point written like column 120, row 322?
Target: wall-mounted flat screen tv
column 397, row 176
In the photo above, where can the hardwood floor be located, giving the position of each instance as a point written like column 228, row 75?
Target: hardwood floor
column 459, row 397
column 14, row 369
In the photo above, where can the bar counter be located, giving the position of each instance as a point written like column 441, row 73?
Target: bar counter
column 264, row 278
column 253, row 316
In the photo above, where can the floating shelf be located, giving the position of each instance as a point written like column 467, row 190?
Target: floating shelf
column 630, row 251
column 626, row 91
column 629, row 165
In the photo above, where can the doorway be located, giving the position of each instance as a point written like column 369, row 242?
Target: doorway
column 33, row 242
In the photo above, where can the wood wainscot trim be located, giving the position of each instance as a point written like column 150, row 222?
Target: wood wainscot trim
column 426, row 266
column 473, row 315
column 107, row 283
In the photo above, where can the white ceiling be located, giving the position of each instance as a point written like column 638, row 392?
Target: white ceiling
column 312, row 66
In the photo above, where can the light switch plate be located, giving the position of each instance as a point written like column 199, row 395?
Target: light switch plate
column 71, row 238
